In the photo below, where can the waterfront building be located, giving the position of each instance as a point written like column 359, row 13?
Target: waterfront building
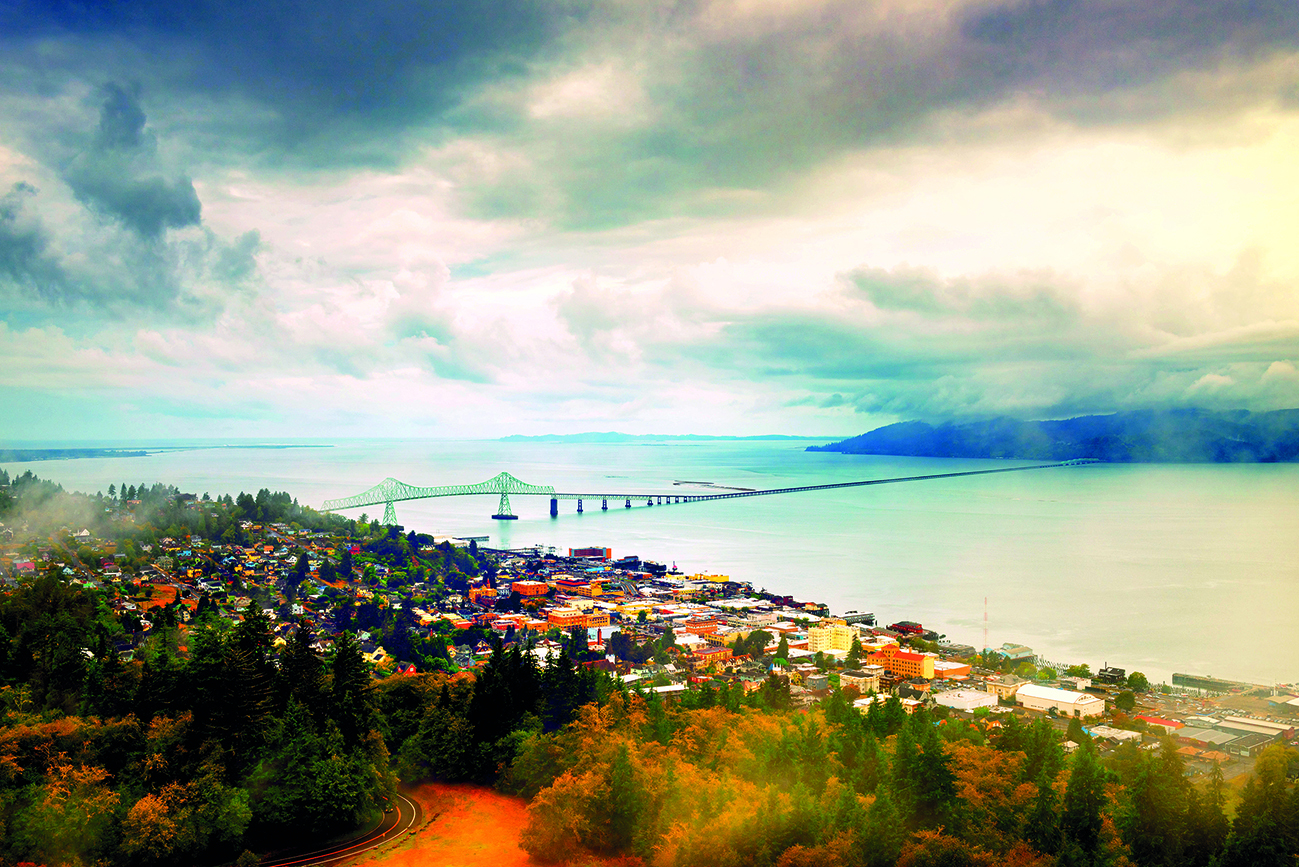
column 1063, row 701
column 1016, row 652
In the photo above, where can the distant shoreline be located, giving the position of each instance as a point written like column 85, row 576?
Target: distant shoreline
column 613, row 437
column 19, row 456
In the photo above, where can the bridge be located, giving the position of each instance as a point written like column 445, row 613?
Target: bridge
column 391, row 491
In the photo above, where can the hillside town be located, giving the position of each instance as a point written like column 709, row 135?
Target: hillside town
column 417, row 603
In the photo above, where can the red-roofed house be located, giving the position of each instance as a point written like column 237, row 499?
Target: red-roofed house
column 1168, row 725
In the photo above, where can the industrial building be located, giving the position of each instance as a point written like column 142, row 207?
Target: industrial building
column 1062, row 701
column 965, row 699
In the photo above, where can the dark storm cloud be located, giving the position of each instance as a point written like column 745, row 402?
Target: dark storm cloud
column 735, row 103
column 318, row 66
column 25, row 260
column 116, row 175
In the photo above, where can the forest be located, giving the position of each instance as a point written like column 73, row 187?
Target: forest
column 216, row 743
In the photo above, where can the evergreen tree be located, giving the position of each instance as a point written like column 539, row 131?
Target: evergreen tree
column 617, row 806
column 1084, row 798
column 1042, row 826
column 854, row 654
column 350, row 700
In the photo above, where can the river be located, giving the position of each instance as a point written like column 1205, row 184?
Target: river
column 1156, row 568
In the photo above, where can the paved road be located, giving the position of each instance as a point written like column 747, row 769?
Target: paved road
column 405, row 817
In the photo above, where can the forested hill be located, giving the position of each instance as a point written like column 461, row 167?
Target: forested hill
column 1149, row 436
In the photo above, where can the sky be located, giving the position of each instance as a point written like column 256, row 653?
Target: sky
column 276, row 219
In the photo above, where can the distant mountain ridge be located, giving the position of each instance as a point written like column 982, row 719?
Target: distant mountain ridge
column 1146, row 436
column 614, row 437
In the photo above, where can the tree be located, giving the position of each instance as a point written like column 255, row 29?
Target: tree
column 782, row 650
column 1125, row 701
column 854, row 653
column 350, row 700
column 1137, row 682
column 1265, row 833
column 1084, row 798
column 618, row 806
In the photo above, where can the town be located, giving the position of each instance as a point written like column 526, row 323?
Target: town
column 418, row 603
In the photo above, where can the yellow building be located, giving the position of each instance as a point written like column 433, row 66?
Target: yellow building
column 830, row 638
column 711, row 579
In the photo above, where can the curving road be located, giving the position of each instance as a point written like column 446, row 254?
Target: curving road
column 405, row 816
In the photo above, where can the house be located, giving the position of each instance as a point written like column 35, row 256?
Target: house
column 865, row 679
column 1166, row 725
column 710, row 655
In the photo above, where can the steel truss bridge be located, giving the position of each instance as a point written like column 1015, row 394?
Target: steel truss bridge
column 391, row 491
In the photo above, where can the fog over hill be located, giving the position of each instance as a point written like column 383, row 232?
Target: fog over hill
column 1147, row 436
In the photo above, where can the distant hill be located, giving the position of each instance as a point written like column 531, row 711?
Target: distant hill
column 1148, row 436
column 611, row 437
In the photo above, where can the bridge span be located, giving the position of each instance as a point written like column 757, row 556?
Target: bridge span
column 391, row 491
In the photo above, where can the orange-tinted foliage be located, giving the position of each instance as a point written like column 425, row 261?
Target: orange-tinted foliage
column 469, row 826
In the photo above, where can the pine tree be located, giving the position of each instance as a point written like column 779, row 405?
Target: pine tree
column 854, row 654
column 1083, row 800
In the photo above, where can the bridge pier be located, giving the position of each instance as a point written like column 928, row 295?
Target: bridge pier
column 650, row 501
column 629, row 502
column 503, row 510
column 554, row 507
column 604, row 505
column 661, row 499
column 579, row 505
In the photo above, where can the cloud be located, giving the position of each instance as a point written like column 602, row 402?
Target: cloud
column 732, row 100
column 117, row 176
column 25, row 260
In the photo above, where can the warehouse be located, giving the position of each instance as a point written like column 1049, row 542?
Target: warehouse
column 965, row 699
column 1062, row 701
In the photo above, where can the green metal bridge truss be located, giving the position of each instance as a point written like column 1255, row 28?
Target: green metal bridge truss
column 391, row 491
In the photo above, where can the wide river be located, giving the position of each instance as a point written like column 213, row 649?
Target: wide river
column 1155, row 568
